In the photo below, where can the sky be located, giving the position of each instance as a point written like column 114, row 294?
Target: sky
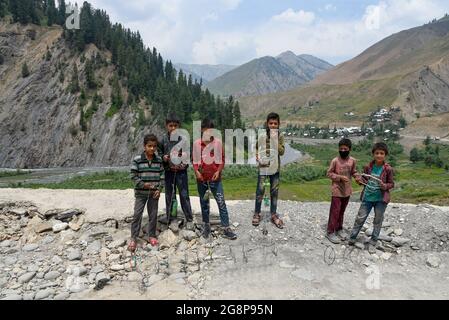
column 237, row 31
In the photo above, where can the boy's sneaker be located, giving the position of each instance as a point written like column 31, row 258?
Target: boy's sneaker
column 206, row 231
column 332, row 237
column 372, row 248
column 229, row 234
column 190, row 226
column 174, row 225
column 352, row 242
column 342, row 234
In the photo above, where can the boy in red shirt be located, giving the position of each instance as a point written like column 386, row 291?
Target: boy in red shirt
column 208, row 163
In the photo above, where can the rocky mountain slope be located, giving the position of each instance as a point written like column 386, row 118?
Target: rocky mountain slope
column 269, row 74
column 41, row 118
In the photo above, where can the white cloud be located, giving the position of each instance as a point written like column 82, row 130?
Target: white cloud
column 330, row 7
column 297, row 17
column 193, row 31
column 337, row 40
column 223, row 47
column 230, row 4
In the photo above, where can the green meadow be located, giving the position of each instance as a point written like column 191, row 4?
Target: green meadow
column 305, row 181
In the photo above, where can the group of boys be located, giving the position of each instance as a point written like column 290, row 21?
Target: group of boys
column 155, row 169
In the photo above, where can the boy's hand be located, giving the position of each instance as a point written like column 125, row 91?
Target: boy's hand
column 344, row 179
column 216, row 176
column 199, row 176
column 147, row 186
column 156, row 194
column 166, row 158
column 383, row 186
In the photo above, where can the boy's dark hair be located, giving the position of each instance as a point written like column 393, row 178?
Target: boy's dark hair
column 149, row 138
column 207, row 124
column 172, row 118
column 345, row 142
column 380, row 146
column 274, row 116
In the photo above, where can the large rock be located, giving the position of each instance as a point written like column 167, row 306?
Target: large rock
column 58, row 227
column 50, row 213
column 52, row 275
column 43, row 227
column 399, row 241
column 62, row 296
column 74, row 254
column 117, row 267
column 117, row 244
column 76, row 223
column 18, row 211
column 167, row 239
column 30, row 247
column 27, row 277
column 433, row 261
column 188, row 235
column 68, row 214
column 45, row 293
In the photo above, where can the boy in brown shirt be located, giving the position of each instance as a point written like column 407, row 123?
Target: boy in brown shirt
column 341, row 171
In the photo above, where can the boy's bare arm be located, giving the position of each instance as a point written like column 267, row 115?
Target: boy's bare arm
column 355, row 174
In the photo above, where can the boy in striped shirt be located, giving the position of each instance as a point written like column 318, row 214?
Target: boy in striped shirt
column 147, row 172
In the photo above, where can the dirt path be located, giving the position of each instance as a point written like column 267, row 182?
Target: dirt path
column 294, row 263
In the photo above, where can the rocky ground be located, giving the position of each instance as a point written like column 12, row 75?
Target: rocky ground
column 55, row 252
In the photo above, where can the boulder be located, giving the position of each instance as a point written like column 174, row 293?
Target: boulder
column 167, row 239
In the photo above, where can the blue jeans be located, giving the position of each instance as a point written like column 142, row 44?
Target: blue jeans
column 364, row 211
column 182, row 185
column 274, row 191
column 217, row 189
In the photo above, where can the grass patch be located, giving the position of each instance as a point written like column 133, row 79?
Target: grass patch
column 18, row 172
column 415, row 183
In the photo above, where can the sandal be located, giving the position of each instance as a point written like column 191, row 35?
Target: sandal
column 132, row 246
column 154, row 242
column 256, row 219
column 277, row 221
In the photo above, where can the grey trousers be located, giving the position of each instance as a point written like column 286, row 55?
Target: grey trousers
column 139, row 206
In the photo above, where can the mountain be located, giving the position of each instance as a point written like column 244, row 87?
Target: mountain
column 87, row 97
column 306, row 66
column 397, row 55
column 269, row 74
column 409, row 69
column 206, row 72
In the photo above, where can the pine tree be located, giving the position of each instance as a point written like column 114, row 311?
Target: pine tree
column 90, row 75
column 237, row 116
column 75, row 85
column 25, row 70
column 116, row 95
column 52, row 12
column 3, row 8
column 414, row 155
column 62, row 12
